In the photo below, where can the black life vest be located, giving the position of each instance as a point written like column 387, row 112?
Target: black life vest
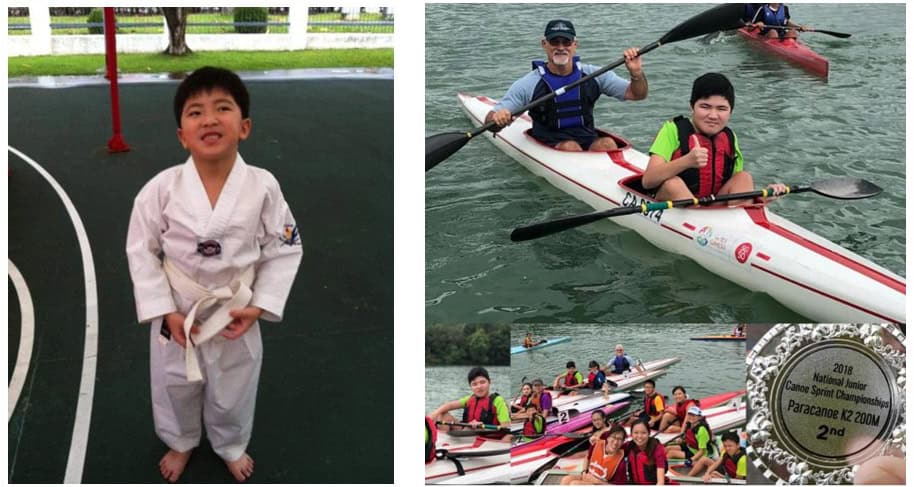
column 432, row 439
column 571, row 109
column 722, row 149
column 729, row 465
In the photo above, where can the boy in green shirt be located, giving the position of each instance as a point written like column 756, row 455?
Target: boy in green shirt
column 700, row 157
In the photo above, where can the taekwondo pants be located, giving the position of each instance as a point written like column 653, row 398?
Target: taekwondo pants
column 224, row 400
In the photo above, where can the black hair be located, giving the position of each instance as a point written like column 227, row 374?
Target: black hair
column 651, row 382
column 593, row 363
column 617, row 428
column 598, row 411
column 682, row 388
column 206, row 79
column 730, row 435
column 710, row 84
column 570, row 364
column 477, row 372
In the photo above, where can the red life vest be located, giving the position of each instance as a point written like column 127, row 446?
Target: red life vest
column 534, row 426
column 432, row 432
column 709, row 179
column 649, row 407
column 571, row 379
column 482, row 410
column 691, row 436
column 683, row 407
column 730, row 463
column 640, row 464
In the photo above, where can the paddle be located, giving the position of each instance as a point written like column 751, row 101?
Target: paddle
column 481, row 427
column 837, row 188
column 841, row 35
column 722, row 17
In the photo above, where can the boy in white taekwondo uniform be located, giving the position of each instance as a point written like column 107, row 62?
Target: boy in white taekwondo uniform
column 212, row 247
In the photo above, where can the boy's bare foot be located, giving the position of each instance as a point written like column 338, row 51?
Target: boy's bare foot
column 173, row 463
column 242, row 468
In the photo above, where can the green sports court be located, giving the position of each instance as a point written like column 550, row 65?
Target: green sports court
column 78, row 360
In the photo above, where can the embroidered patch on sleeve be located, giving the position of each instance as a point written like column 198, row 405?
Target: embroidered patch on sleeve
column 290, row 235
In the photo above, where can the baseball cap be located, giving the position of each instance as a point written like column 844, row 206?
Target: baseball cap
column 559, row 28
column 694, row 410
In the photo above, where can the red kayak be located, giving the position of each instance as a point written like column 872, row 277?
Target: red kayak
column 792, row 50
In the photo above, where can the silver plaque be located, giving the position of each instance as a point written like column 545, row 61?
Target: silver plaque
column 825, row 398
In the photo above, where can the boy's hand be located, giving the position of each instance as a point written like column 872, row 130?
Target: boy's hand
column 243, row 319
column 175, row 323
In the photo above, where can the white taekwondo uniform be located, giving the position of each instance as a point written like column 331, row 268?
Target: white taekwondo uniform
column 249, row 233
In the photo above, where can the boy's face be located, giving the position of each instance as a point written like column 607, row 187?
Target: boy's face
column 731, row 447
column 480, row 386
column 710, row 115
column 212, row 127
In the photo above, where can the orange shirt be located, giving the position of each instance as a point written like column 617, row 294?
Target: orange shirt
column 604, row 466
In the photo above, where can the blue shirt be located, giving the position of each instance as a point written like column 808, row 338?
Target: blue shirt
column 521, row 92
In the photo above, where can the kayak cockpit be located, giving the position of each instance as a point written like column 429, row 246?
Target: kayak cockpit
column 621, row 143
column 633, row 185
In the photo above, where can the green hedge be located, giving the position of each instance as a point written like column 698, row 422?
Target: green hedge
column 251, row 14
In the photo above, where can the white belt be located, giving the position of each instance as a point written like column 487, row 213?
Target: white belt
column 236, row 295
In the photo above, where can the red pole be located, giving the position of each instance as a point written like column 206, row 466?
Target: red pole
column 116, row 143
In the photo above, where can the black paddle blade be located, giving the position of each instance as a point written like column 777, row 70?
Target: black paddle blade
column 440, row 147
column 542, row 229
column 840, row 35
column 845, row 188
column 726, row 16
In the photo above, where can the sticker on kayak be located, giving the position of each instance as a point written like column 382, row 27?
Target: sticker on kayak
column 632, row 200
column 723, row 245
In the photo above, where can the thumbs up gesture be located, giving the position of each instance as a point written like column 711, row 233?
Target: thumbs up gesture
column 699, row 154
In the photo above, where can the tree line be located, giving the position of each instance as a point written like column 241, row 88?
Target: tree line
column 449, row 344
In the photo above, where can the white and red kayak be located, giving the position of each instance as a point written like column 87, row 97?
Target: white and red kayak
column 466, row 456
column 750, row 246
column 723, row 412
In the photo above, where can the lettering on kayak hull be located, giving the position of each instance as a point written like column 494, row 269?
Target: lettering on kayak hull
column 632, row 200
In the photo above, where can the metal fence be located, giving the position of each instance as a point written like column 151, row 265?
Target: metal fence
column 211, row 20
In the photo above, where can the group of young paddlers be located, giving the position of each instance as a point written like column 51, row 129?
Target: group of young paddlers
column 622, row 450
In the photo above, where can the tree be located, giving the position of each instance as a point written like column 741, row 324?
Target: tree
column 176, row 18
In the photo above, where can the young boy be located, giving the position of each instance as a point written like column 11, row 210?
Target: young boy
column 480, row 408
column 682, row 165
column 732, row 463
column 212, row 247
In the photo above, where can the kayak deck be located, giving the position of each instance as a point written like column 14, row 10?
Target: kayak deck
column 792, row 50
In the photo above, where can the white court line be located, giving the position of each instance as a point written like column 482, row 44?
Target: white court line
column 79, row 441
column 26, row 337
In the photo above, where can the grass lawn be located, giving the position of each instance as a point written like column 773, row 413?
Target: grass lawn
column 234, row 60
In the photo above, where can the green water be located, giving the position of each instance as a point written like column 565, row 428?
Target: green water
column 793, row 127
column 706, row 368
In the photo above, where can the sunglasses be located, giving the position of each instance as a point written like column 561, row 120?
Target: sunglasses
column 556, row 41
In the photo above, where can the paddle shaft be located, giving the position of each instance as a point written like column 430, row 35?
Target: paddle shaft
column 826, row 32
column 542, row 229
column 562, row 90
column 478, row 426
